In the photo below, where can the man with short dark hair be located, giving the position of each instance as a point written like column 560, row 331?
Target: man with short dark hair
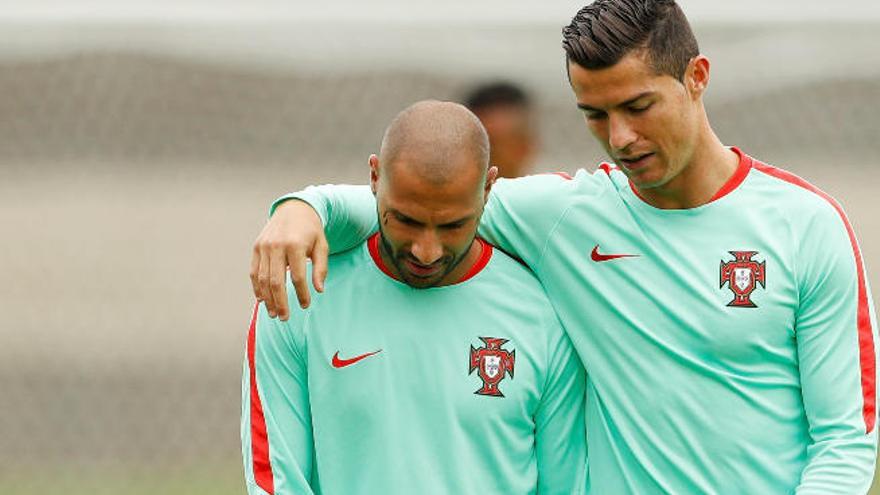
column 720, row 305
column 506, row 112
column 434, row 364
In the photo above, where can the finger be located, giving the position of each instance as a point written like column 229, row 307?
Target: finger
column 297, row 260
column 319, row 264
column 278, row 282
column 264, row 281
column 255, row 272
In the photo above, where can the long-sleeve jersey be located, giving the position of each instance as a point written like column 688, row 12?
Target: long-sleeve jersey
column 730, row 347
column 380, row 388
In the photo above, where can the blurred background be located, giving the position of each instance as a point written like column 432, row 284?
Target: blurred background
column 141, row 143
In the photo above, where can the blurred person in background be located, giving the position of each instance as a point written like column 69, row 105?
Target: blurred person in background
column 506, row 112
column 720, row 305
column 372, row 390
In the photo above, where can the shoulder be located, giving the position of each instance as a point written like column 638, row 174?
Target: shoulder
column 795, row 197
column 353, row 259
column 509, row 268
column 804, row 206
column 273, row 340
column 522, row 213
column 349, row 272
column 515, row 285
column 344, row 268
column 819, row 229
column 553, row 186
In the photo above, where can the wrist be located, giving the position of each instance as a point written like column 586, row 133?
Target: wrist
column 287, row 203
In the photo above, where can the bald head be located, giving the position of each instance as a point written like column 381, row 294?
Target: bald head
column 436, row 140
column 431, row 182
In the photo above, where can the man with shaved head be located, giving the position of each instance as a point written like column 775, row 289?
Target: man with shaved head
column 436, row 155
column 435, row 364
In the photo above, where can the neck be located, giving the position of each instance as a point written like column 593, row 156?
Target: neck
column 710, row 166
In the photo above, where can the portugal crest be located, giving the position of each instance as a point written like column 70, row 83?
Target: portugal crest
column 743, row 275
column 492, row 364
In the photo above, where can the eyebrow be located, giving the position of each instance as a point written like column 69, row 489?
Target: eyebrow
column 462, row 220
column 630, row 101
column 400, row 214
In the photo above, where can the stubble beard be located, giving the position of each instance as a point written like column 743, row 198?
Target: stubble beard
column 397, row 260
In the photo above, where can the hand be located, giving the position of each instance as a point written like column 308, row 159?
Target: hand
column 293, row 235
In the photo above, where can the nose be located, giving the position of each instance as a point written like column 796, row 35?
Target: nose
column 620, row 132
column 427, row 248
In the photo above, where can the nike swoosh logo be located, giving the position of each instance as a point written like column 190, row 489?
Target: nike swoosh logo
column 342, row 363
column 598, row 258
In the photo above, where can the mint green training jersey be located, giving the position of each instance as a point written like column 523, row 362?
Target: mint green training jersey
column 729, row 347
column 380, row 388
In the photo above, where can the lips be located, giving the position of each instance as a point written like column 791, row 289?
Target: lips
column 422, row 271
column 635, row 162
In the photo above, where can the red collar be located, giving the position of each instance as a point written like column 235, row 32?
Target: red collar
column 742, row 171
column 485, row 255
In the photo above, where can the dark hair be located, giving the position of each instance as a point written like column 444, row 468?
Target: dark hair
column 606, row 30
column 494, row 94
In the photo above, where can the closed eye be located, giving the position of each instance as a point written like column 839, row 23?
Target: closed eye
column 591, row 115
column 453, row 225
column 639, row 108
column 407, row 220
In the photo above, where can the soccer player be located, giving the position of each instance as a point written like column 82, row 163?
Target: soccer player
column 506, row 112
column 434, row 363
column 720, row 305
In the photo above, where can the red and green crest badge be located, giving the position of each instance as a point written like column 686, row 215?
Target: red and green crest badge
column 742, row 276
column 492, row 364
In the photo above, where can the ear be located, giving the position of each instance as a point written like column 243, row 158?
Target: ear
column 696, row 77
column 491, row 176
column 374, row 173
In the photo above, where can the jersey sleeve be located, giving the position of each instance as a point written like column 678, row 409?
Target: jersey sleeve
column 276, row 425
column 522, row 213
column 560, row 431
column 836, row 332
column 347, row 212
column 518, row 218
